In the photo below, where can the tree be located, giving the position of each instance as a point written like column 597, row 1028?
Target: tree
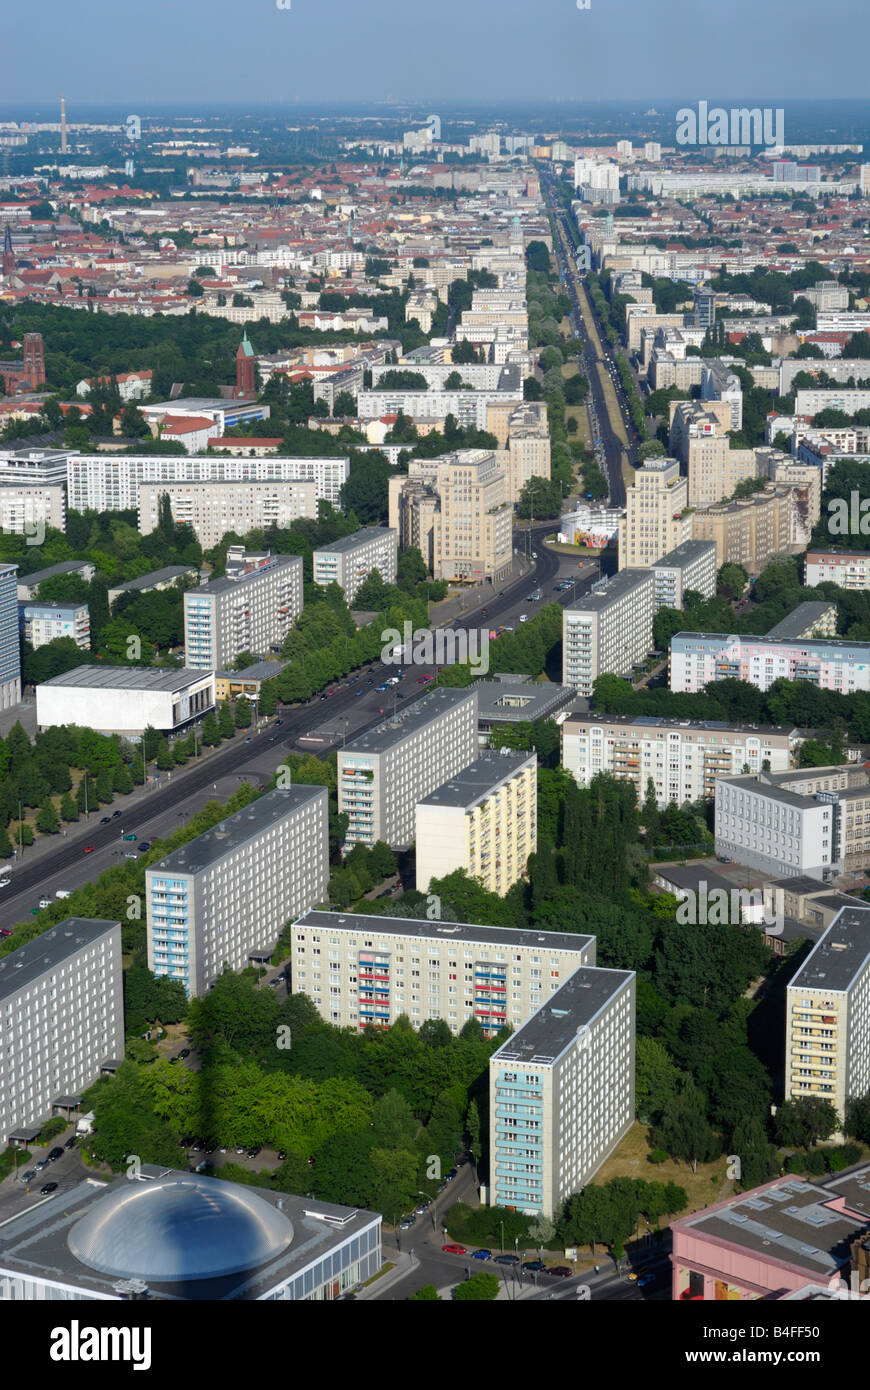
column 683, row 1129
column 805, row 1121
column 226, row 722
column 243, row 713
column 47, row 821
column 732, row 580
column 68, row 809
column 211, row 735
column 480, row 1288
column 428, row 1294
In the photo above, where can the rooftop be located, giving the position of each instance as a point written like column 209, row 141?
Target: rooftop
column 65, row 567
column 409, row 721
column 814, row 646
column 804, row 616
column 552, row 1030
column 230, row 584
column 841, row 956
column 32, row 960
column 655, row 721
column 236, row 830
column 477, row 781
column 362, row 537
column 684, row 554
column 150, row 581
column 128, row 678
column 510, row 699
column 372, row 926
column 618, row 588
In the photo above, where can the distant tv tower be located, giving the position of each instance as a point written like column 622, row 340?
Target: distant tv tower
column 63, row 144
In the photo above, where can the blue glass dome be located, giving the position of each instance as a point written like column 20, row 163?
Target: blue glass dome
column 179, row 1229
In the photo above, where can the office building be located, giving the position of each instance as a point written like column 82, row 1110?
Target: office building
column 125, row 699
column 689, row 566
column 384, row 773
column 609, row 630
column 827, row 1033
column 697, row 658
column 350, row 560
column 367, row 971
column 772, row 823
column 29, row 508
column 164, row 1235
column 247, row 612
column 845, row 790
column 656, row 519
column 61, row 1018
column 110, row 483
column 10, row 647
column 456, row 509
column 562, row 1092
column 224, row 898
column 46, row 622
column 484, row 820
column 682, row 758
column 213, row 509
column 848, row 569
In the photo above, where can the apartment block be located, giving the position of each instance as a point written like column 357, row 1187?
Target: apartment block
column 26, row 508
column 108, row 483
column 656, row 519
column 689, row 566
column 224, row 898
column 456, row 509
column 848, row 569
column 562, row 1092
column 697, row 658
column 682, row 758
column 827, row 1035
column 45, row 622
column 213, row 509
column 61, row 1019
column 366, row 971
column 350, row 560
column 10, row 647
column 28, row 584
column 752, row 530
column 484, row 820
column 250, row 612
column 807, row 620
column 166, row 578
column 609, row 630
column 384, row 773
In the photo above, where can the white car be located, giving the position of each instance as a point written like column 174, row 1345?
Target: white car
column 63, row 893
column 524, row 617
column 5, row 882
column 393, row 680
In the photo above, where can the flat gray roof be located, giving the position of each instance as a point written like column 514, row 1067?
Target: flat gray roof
column 52, row 948
column 655, row 721
column 236, row 830
column 467, row 932
column 226, row 584
column 512, row 699
column 841, row 956
column 618, row 587
column 547, row 1034
column 65, row 567
column 683, row 554
column 150, row 581
column 812, row 645
column 408, row 721
column 854, row 1187
column 799, row 619
column 789, row 1220
column 127, row 678
column 361, row 537
column 476, row 781
column 773, row 791
column 50, row 605
column 192, row 404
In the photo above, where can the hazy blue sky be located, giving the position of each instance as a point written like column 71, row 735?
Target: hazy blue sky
column 432, row 50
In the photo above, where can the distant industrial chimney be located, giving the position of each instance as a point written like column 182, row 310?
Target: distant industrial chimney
column 63, row 144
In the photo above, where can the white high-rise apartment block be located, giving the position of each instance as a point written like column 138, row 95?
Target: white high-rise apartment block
column 27, row 507
column 656, row 519
column 484, row 820
column 213, row 509
column 384, row 773
column 827, row 1048
column 848, row 569
column 562, row 1092
column 682, row 758
column 350, row 560
column 700, row 657
column 61, row 1018
column 252, row 613
column 608, row 631
column 10, row 646
column 690, row 566
column 224, row 898
column 107, row 483
column 652, row 152
column 368, row 970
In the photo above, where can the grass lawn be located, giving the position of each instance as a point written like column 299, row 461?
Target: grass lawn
column 629, row 1160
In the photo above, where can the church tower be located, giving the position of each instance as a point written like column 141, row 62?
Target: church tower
column 246, row 369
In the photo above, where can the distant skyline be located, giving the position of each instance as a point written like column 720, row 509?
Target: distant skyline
column 190, row 53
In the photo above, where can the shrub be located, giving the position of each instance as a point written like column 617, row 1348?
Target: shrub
column 657, row 1156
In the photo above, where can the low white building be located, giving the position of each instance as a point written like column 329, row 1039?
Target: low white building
column 125, row 699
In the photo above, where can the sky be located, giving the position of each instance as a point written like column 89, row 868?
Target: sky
column 226, row 52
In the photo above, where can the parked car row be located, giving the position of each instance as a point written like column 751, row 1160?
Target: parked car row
column 529, row 1266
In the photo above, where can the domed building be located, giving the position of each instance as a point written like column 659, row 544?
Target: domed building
column 171, row 1235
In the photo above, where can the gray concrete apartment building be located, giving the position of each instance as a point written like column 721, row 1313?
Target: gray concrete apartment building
column 361, row 970
column 164, row 578
column 384, row 773
column 350, row 560
column 252, row 613
column 691, row 565
column 224, row 898
column 562, row 1092
column 61, row 1019
column 609, row 630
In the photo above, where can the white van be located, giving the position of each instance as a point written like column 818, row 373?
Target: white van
column 63, row 893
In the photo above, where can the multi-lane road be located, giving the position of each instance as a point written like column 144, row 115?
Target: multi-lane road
column 317, row 726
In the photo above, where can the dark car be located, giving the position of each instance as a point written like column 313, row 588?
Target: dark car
column 144, row 846
column 106, row 820
column 281, row 1155
column 533, row 1266
column 55, row 1154
column 116, row 815
column 252, row 1152
column 507, row 1259
column 28, row 1176
column 560, row 1271
column 185, row 1052
column 71, row 1142
column 49, row 1187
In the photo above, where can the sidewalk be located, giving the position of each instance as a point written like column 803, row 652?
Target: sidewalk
column 405, row 1264
column 477, row 595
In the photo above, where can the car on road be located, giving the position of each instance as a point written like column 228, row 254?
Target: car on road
column 63, row 893
column 324, row 696
column 49, row 1187
column 144, row 846
column 5, row 931
column 89, row 849
column 454, row 1249
column 116, row 815
column 185, row 1052
column 723, row 859
column 240, row 1149
column 55, row 1154
column 644, row 1279
column 249, row 740
column 252, row 1152
column 481, row 1254
column 524, row 617
column 533, row 1266
column 129, row 836
column 380, row 687
column 106, row 820
column 45, row 902
column 406, row 1223
column 131, row 854
column 559, row 1271
column 507, row 1260
column 278, row 721
column 28, row 1176
column 71, row 1142
column 394, row 680
column 422, row 1208
column 359, row 692
column 421, row 680
column 5, row 882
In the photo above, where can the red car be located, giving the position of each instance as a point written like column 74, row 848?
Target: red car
column 89, row 849
column 559, row 1271
column 454, row 1249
